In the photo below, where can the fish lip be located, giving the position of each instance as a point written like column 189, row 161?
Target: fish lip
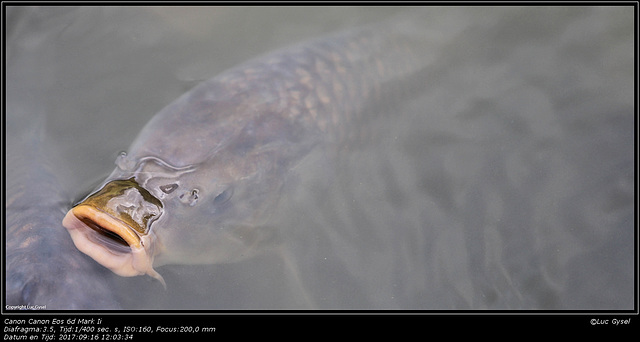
column 135, row 260
column 105, row 222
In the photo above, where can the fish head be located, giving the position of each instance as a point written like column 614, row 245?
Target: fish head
column 150, row 213
column 216, row 213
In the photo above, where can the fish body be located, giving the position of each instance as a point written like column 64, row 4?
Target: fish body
column 205, row 172
column 44, row 270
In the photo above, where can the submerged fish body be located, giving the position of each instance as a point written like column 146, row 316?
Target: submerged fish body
column 203, row 174
column 44, row 271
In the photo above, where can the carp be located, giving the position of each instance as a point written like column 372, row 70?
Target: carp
column 44, row 271
column 199, row 181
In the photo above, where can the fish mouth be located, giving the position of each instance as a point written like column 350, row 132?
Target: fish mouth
column 110, row 235
column 104, row 229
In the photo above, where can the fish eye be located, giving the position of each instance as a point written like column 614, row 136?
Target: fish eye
column 223, row 197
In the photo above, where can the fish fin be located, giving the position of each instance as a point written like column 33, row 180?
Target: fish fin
column 293, row 273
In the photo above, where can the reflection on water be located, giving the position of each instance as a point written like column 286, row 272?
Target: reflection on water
column 507, row 184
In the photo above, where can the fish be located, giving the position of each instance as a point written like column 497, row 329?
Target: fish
column 200, row 180
column 44, row 270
